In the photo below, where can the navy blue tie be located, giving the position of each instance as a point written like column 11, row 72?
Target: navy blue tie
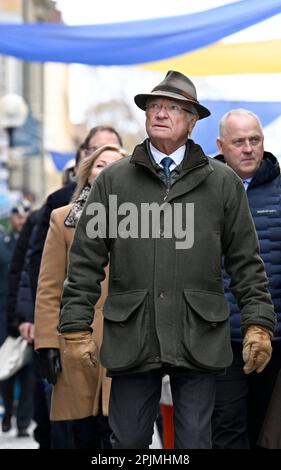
column 166, row 163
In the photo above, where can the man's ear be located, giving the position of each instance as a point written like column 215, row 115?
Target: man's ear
column 192, row 123
column 219, row 144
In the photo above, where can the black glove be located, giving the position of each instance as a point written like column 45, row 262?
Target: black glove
column 50, row 364
column 13, row 328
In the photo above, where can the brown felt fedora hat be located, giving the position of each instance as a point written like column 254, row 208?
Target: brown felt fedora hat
column 177, row 86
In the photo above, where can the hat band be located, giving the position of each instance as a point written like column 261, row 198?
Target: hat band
column 174, row 90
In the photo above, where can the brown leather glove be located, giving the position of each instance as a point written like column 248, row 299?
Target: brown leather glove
column 257, row 348
column 80, row 348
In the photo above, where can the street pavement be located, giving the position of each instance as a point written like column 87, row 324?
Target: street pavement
column 9, row 440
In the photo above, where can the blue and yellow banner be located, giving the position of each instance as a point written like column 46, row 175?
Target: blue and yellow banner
column 136, row 42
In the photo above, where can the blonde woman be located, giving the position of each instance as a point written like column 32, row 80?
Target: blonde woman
column 78, row 393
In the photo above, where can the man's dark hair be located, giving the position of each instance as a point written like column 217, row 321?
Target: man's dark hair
column 78, row 154
column 96, row 129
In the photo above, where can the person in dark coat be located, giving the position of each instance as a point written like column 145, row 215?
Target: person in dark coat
column 16, row 267
column 242, row 400
column 19, row 319
column 165, row 216
column 8, row 241
column 59, row 198
column 9, row 282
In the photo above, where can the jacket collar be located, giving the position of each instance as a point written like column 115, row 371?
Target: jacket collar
column 194, row 156
column 195, row 162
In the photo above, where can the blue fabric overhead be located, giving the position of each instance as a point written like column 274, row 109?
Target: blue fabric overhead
column 206, row 130
column 132, row 42
column 60, row 159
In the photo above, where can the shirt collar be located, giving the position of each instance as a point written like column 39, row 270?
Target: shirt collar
column 246, row 182
column 177, row 156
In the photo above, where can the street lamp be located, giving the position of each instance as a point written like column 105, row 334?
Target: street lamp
column 13, row 114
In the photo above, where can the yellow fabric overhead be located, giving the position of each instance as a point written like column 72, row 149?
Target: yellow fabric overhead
column 223, row 59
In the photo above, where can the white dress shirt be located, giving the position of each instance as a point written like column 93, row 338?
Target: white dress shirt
column 177, row 156
column 246, row 182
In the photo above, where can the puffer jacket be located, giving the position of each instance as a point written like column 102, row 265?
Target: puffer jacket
column 264, row 196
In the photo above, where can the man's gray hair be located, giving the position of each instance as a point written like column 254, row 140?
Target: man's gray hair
column 193, row 109
column 222, row 123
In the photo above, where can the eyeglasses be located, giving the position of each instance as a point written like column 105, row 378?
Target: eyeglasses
column 172, row 108
column 89, row 150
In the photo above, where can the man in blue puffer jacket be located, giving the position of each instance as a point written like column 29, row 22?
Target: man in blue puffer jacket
column 242, row 398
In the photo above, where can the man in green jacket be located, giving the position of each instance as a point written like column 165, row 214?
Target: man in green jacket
column 166, row 216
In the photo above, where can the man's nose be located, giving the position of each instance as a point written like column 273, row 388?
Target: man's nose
column 247, row 147
column 162, row 111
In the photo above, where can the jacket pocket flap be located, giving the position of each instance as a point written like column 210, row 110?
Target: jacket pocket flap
column 211, row 306
column 119, row 307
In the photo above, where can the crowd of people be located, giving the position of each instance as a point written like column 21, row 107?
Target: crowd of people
column 163, row 263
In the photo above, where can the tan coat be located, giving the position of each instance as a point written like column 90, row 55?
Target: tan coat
column 77, row 391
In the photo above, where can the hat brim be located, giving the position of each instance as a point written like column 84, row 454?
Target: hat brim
column 141, row 100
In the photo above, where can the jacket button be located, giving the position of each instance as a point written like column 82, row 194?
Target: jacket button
column 161, row 295
column 214, row 324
